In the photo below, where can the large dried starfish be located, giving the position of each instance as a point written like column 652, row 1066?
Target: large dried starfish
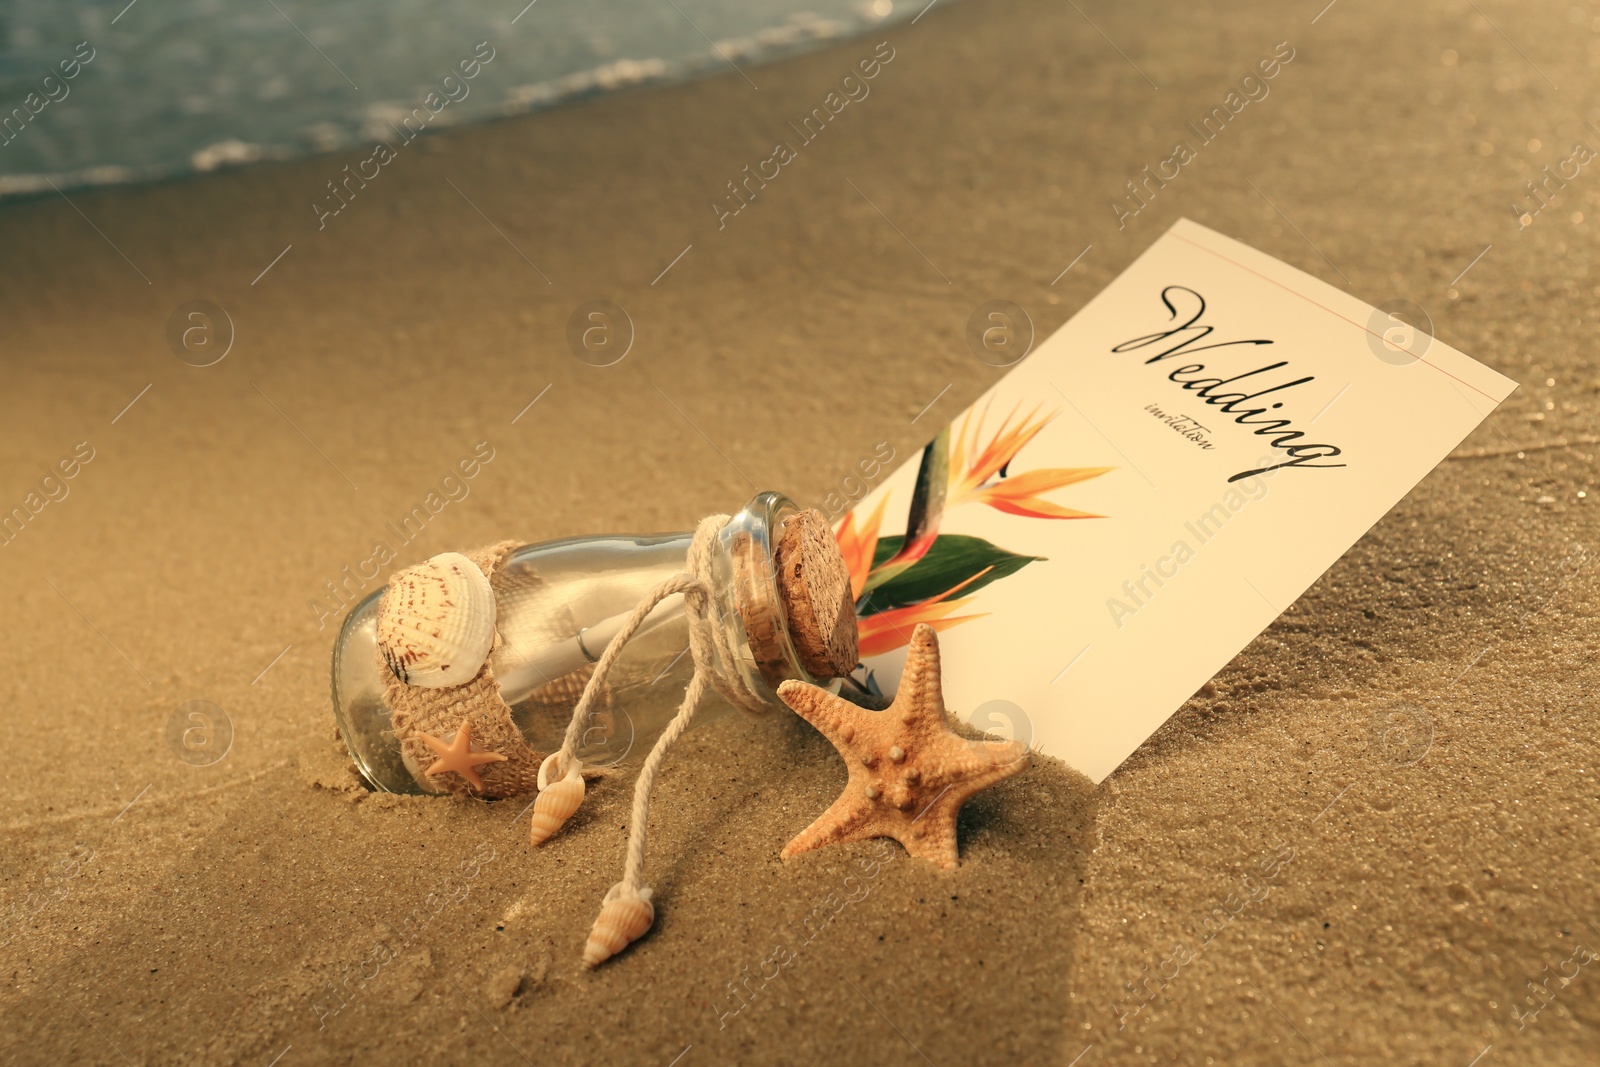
column 909, row 771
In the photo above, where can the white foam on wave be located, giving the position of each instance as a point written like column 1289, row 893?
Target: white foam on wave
column 799, row 31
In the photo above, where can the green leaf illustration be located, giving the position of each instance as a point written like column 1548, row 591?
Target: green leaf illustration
column 953, row 559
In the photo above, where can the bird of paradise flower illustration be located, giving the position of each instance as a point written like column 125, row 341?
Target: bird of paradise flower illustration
column 899, row 581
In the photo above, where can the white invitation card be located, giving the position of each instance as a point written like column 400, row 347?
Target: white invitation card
column 1148, row 489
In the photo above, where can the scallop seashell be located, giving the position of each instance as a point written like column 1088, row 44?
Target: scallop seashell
column 554, row 807
column 436, row 622
column 623, row 920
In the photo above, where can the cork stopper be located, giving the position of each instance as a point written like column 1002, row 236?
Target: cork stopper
column 814, row 584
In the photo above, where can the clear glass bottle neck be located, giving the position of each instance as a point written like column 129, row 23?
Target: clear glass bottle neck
column 749, row 602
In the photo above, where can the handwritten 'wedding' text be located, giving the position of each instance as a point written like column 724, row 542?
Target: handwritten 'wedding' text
column 1193, row 378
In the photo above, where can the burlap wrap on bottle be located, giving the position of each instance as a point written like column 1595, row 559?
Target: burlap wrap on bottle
column 440, row 712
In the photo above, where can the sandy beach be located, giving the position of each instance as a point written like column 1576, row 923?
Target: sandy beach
column 1368, row 839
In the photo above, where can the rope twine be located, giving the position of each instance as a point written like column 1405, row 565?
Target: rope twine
column 714, row 658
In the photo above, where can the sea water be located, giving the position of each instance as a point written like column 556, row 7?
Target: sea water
column 122, row 91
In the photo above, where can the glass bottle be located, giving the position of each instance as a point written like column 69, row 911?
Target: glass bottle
column 560, row 605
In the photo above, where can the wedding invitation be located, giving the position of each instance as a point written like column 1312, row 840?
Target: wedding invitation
column 1148, row 490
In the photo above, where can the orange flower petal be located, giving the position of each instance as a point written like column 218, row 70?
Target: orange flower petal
column 890, row 630
column 1021, row 493
column 1047, row 478
column 902, row 620
column 1033, row 507
column 858, row 548
column 910, row 553
column 966, row 476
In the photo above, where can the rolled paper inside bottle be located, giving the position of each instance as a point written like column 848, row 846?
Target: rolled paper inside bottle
column 519, row 679
column 559, row 606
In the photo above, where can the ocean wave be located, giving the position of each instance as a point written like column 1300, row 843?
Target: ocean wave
column 177, row 129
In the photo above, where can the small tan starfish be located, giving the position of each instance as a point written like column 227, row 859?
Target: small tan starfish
column 909, row 771
column 458, row 756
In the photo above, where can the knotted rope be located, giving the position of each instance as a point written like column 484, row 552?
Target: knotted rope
column 627, row 913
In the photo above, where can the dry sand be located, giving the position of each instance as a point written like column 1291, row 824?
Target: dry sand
column 1400, row 894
